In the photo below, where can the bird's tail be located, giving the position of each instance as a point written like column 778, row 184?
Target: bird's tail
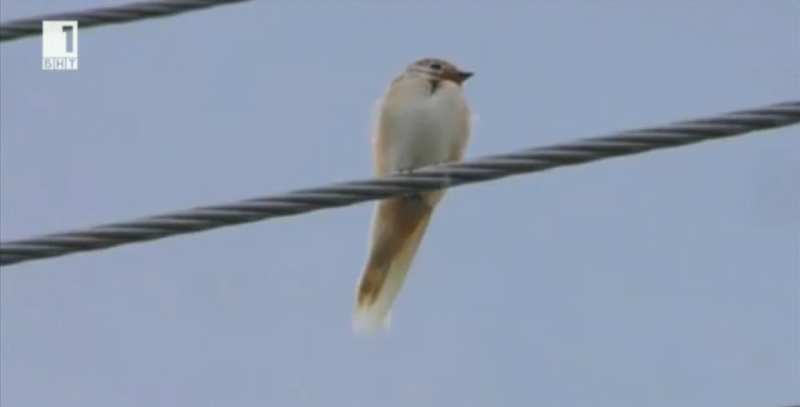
column 397, row 231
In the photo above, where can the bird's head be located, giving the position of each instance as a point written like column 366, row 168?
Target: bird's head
column 434, row 68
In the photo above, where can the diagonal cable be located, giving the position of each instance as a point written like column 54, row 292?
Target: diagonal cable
column 18, row 29
column 348, row 193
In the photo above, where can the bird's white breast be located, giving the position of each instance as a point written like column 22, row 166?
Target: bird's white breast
column 420, row 128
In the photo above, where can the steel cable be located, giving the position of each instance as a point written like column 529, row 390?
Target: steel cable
column 18, row 29
column 348, row 193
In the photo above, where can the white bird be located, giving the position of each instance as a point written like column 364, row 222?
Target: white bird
column 423, row 119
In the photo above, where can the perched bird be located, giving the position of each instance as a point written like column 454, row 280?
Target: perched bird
column 422, row 119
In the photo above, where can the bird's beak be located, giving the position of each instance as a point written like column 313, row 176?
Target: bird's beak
column 464, row 75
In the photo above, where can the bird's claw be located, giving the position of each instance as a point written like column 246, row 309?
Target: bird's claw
column 404, row 171
column 446, row 178
column 415, row 197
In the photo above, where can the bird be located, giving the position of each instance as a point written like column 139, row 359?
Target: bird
column 422, row 119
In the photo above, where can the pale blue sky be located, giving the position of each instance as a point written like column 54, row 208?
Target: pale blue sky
column 661, row 280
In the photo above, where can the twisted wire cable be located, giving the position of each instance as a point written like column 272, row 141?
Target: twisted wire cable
column 429, row 178
column 17, row 29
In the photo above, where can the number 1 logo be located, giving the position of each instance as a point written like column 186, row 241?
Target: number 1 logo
column 59, row 45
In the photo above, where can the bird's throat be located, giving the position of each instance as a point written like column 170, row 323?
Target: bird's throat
column 434, row 85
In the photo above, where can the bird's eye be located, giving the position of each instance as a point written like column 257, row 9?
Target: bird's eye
column 436, row 67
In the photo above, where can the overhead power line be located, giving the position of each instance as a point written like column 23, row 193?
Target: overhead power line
column 18, row 29
column 348, row 193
